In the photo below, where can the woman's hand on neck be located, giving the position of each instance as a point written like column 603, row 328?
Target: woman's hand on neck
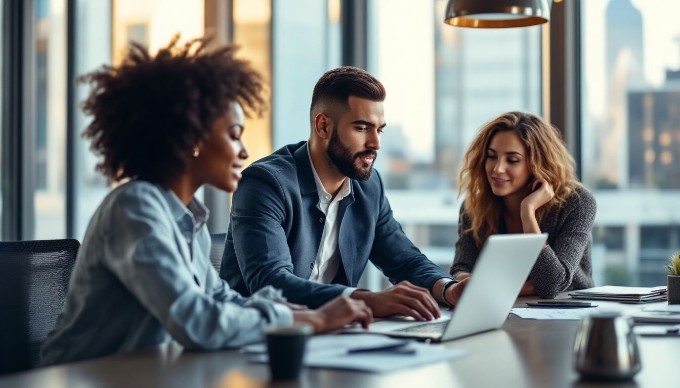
column 519, row 213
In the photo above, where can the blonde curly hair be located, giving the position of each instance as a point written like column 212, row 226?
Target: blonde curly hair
column 548, row 159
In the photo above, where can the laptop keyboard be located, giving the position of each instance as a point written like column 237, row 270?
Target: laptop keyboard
column 425, row 328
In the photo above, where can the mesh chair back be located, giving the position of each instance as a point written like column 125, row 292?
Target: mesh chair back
column 217, row 249
column 34, row 278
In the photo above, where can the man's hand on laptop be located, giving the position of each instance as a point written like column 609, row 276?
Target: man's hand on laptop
column 403, row 298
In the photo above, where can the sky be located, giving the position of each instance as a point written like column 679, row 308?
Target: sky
column 660, row 28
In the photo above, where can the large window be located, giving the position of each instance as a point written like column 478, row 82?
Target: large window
column 443, row 83
column 631, row 135
column 296, row 66
column 48, row 125
column 105, row 29
column 252, row 32
column 2, row 88
column 93, row 40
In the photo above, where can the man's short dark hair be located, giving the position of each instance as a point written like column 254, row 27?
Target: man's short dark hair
column 151, row 110
column 339, row 84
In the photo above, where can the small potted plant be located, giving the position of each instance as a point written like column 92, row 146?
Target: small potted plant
column 673, row 268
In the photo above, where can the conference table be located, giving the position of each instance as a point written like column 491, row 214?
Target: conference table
column 523, row 353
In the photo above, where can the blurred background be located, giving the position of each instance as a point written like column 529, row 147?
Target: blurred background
column 606, row 72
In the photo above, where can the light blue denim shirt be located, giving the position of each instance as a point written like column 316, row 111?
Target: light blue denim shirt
column 143, row 277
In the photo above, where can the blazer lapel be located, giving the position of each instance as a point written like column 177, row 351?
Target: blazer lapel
column 310, row 202
column 346, row 243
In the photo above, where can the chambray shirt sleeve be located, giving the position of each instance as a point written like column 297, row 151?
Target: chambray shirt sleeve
column 394, row 253
column 268, row 300
column 142, row 251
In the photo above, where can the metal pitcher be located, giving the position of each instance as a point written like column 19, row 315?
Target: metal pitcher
column 606, row 348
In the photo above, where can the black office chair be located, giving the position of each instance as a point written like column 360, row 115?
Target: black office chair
column 34, row 278
column 217, row 249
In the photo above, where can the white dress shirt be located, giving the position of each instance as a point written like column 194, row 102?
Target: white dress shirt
column 328, row 258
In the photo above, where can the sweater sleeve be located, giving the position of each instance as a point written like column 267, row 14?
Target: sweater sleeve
column 568, row 246
column 467, row 252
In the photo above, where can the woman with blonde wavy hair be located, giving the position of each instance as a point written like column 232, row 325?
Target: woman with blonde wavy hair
column 518, row 177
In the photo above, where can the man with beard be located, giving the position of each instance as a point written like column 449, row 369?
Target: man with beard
column 307, row 218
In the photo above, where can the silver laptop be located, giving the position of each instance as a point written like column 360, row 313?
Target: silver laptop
column 501, row 269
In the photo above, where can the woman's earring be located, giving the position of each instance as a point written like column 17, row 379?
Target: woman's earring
column 195, row 154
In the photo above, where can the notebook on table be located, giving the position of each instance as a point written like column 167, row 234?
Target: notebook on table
column 498, row 276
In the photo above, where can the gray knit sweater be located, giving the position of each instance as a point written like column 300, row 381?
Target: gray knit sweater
column 565, row 263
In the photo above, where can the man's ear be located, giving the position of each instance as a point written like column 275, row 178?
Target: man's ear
column 323, row 125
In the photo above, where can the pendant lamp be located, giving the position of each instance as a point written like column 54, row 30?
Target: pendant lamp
column 497, row 13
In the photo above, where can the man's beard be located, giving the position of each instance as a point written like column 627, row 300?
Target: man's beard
column 343, row 159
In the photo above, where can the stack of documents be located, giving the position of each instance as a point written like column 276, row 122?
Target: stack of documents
column 622, row 294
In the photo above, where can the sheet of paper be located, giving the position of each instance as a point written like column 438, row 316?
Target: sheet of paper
column 540, row 313
column 655, row 317
column 334, row 341
column 384, row 362
column 331, row 351
column 669, row 308
column 655, row 330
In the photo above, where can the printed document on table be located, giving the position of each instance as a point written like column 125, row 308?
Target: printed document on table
column 534, row 313
column 333, row 351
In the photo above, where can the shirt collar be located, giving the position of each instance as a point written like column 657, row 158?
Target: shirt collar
column 196, row 210
column 324, row 196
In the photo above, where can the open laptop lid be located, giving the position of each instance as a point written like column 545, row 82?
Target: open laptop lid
column 498, row 276
column 501, row 269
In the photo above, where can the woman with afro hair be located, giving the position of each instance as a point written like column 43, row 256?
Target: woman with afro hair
column 165, row 125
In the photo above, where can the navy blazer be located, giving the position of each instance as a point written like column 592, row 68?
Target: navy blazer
column 276, row 228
